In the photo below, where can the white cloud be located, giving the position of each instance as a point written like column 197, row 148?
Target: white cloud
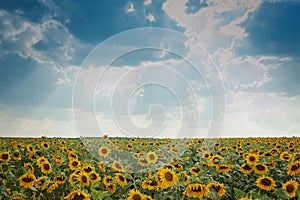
column 147, row 2
column 129, row 7
column 150, row 17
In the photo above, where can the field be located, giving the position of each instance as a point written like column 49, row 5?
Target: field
column 143, row 169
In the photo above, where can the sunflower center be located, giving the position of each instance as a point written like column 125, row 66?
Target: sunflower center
column 266, row 182
column 153, row 183
column 74, row 163
column 84, row 179
column 295, row 167
column 247, row 167
column 216, row 188
column 196, row 189
column 290, row 188
column 5, row 156
column 286, row 156
column 27, row 179
column 252, row 158
column 121, row 178
column 79, row 197
column 151, row 157
column 88, row 169
column 104, row 151
column 136, row 197
column 260, row 167
column 169, row 176
column 46, row 166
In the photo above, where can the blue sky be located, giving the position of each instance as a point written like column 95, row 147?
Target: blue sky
column 43, row 45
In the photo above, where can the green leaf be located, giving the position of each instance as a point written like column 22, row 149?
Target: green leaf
column 281, row 193
column 239, row 193
column 255, row 195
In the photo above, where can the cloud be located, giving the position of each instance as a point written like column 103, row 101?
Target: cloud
column 147, row 2
column 129, row 8
column 150, row 17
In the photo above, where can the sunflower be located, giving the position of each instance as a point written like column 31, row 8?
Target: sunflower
column 152, row 157
column 293, row 168
column 45, row 145
column 143, row 162
column 94, row 177
column 285, row 156
column 291, row 187
column 73, row 178
column 218, row 188
column 17, row 198
column 196, row 190
column 244, row 198
column 166, row 178
column 135, row 195
column 206, row 155
column 57, row 159
column 178, row 166
column 101, row 166
column 252, row 159
column 41, row 160
column 224, row 168
column 215, row 160
column 265, row 183
column 74, row 164
column 107, row 180
column 29, row 167
column 117, row 167
column 103, row 151
column 195, row 170
column 46, row 168
column 260, row 168
column 84, row 179
column 4, row 157
column 111, row 188
column 42, row 182
column 27, row 180
column 150, row 184
column 52, row 187
column 246, row 169
column 185, row 178
column 30, row 149
column 72, row 156
column 87, row 168
column 59, row 179
column 16, row 156
column 78, row 195
column 121, row 179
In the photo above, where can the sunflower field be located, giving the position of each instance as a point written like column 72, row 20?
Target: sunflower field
column 145, row 169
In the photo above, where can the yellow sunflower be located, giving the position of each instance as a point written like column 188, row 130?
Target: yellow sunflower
column 152, row 157
column 195, row 170
column 29, row 167
column 252, row 159
column 16, row 156
column 215, row 160
column 74, row 164
column 27, row 180
column 196, row 190
column 224, row 168
column 87, row 168
column 101, row 166
column 246, row 169
column 84, row 179
column 103, row 152
column 265, row 183
column 293, row 168
column 73, row 178
column 260, row 168
column 111, row 188
column 143, row 162
column 218, row 188
column 291, row 187
column 117, row 167
column 121, row 179
column 166, row 178
column 185, row 178
column 150, row 184
column 107, row 180
column 5, row 157
column 59, row 179
column 57, row 159
column 94, row 177
column 42, row 182
column 52, row 187
column 285, row 156
column 46, row 168
column 135, row 195
column 78, row 195
column 45, row 145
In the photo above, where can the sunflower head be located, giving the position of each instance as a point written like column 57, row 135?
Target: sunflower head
column 265, row 183
column 291, row 187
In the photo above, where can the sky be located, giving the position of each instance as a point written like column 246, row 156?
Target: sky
column 164, row 68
